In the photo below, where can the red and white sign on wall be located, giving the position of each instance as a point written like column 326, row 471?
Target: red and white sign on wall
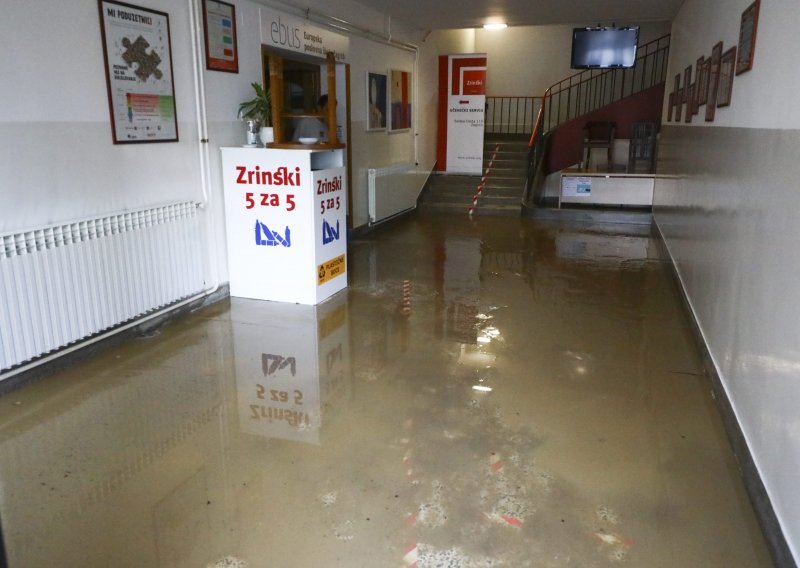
column 462, row 104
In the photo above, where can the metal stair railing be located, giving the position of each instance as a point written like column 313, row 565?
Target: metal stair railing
column 511, row 115
column 589, row 90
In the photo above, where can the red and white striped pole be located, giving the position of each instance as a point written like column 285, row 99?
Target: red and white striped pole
column 482, row 183
column 406, row 310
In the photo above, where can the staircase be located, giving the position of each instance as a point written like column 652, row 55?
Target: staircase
column 624, row 96
column 502, row 191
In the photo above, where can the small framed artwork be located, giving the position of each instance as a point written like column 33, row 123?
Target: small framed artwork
column 726, row 73
column 747, row 37
column 713, row 82
column 401, row 89
column 138, row 61
column 688, row 94
column 698, row 84
column 703, row 67
column 376, row 101
column 678, row 98
column 219, row 34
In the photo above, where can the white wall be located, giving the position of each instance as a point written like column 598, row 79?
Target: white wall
column 526, row 60
column 443, row 42
column 57, row 160
column 728, row 214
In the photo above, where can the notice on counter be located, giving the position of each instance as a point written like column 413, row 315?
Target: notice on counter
column 138, row 56
column 330, row 270
column 572, row 186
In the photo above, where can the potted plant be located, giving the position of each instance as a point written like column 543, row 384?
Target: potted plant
column 259, row 109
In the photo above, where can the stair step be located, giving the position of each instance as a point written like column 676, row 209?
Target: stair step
column 460, row 209
column 487, row 196
column 521, row 155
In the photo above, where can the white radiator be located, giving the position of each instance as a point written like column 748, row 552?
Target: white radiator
column 63, row 283
column 392, row 190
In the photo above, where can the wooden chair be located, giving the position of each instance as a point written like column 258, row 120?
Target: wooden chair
column 598, row 134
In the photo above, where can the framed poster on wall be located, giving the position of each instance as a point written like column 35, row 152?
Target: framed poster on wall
column 688, row 94
column 678, row 98
column 219, row 35
column 726, row 72
column 747, row 37
column 376, row 102
column 713, row 82
column 401, row 90
column 703, row 67
column 138, row 61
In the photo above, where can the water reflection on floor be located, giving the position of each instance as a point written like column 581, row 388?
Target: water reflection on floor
column 487, row 393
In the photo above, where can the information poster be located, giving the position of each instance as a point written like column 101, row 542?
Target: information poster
column 138, row 58
column 219, row 19
column 576, row 186
column 464, row 83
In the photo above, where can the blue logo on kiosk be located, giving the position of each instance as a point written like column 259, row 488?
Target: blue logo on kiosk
column 329, row 234
column 269, row 238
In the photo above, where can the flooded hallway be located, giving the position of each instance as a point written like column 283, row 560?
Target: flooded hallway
column 488, row 392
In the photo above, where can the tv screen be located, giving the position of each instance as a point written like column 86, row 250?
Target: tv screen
column 603, row 48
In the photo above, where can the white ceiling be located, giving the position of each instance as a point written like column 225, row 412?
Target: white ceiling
column 433, row 14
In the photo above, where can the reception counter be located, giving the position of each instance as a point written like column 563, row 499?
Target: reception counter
column 285, row 214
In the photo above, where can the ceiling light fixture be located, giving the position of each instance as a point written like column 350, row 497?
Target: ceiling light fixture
column 495, row 26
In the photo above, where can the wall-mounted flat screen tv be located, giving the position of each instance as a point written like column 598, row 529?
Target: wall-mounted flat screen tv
column 603, row 48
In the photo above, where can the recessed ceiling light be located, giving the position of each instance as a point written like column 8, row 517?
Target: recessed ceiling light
column 495, row 26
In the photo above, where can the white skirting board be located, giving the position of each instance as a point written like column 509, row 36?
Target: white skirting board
column 393, row 190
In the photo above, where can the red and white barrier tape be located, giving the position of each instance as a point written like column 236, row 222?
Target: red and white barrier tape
column 482, row 183
column 411, row 556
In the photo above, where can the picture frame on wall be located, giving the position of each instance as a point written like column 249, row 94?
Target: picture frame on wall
column 376, row 101
column 219, row 36
column 703, row 69
column 713, row 82
column 699, row 75
column 400, row 91
column 678, row 98
column 747, row 37
column 688, row 94
column 137, row 54
column 727, row 71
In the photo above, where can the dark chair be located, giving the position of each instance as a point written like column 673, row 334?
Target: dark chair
column 598, row 134
column 643, row 147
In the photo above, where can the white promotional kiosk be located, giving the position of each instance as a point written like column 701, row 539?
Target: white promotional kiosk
column 285, row 212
